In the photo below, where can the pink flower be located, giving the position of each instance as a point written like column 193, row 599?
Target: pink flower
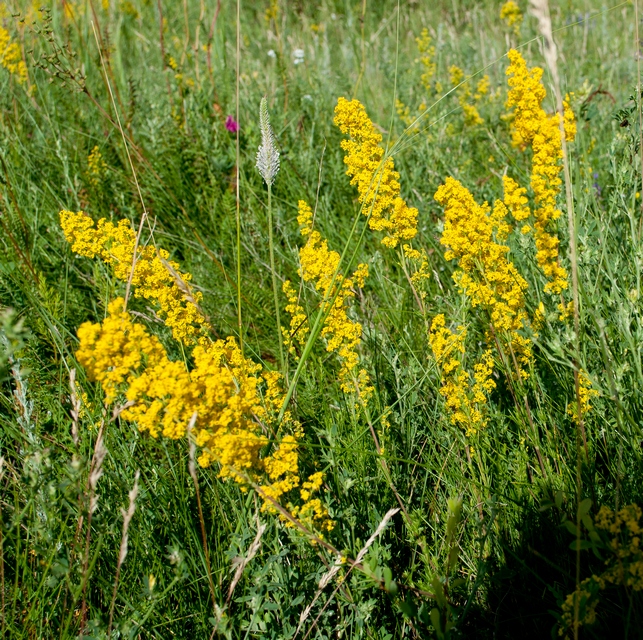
column 231, row 124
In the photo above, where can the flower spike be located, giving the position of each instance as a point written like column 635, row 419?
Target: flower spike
column 268, row 154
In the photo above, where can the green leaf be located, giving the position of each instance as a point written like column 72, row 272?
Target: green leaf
column 408, row 608
column 580, row 544
column 584, row 507
column 436, row 622
column 558, row 499
column 587, row 521
column 571, row 527
column 438, row 591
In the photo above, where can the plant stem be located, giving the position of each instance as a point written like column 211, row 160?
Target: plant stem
column 237, row 157
column 275, row 291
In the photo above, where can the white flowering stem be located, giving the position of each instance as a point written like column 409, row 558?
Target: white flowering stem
column 268, row 166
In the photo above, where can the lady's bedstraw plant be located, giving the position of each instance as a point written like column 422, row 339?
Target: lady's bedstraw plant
column 533, row 127
column 320, row 266
column 379, row 193
column 268, row 165
column 476, row 236
column 511, row 15
column 618, row 535
column 10, row 56
column 235, row 402
column 374, row 175
column 377, row 182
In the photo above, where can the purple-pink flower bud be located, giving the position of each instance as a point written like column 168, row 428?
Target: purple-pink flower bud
column 231, row 124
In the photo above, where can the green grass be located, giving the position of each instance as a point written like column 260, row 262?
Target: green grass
column 514, row 566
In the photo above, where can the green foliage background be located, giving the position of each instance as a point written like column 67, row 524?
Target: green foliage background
column 505, row 563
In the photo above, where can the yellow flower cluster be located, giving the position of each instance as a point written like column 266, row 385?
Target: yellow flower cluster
column 299, row 329
column 427, row 59
column 312, row 512
column 585, row 599
column 586, row 393
column 474, row 235
column 465, row 398
column 375, row 177
column 233, row 405
column 624, row 530
column 272, row 11
column 420, row 261
column 404, row 112
column 343, row 335
column 511, row 15
column 533, row 127
column 516, row 201
column 155, row 278
column 96, row 167
column 471, row 115
column 427, row 55
column 10, row 56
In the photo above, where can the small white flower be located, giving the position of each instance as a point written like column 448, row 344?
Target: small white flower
column 307, row 97
column 298, row 55
column 271, row 53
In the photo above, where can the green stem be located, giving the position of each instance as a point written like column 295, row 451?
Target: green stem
column 275, row 291
column 238, row 203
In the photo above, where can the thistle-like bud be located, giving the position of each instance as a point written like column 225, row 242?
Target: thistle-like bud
column 268, row 154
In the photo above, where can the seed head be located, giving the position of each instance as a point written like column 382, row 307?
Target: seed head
column 268, row 154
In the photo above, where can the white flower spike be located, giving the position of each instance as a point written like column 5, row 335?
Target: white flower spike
column 268, row 154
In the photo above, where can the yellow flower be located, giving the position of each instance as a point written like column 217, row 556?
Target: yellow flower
column 482, row 88
column 471, row 115
column 343, row 335
column 512, row 16
column 565, row 311
column 155, row 278
column 11, row 57
column 515, row 199
column 539, row 317
column 456, row 75
column 299, row 328
column 427, row 54
column 305, row 218
column 232, row 402
column 375, row 177
column 96, row 167
column 404, row 113
column 533, row 127
column 585, row 393
column 420, row 260
column 465, row 397
column 224, row 389
column 474, row 235
column 623, row 529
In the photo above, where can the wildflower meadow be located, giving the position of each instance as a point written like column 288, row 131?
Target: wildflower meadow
column 321, row 319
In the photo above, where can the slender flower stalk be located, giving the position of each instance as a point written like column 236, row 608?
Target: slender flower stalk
column 127, row 518
column 268, row 165
column 237, row 191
